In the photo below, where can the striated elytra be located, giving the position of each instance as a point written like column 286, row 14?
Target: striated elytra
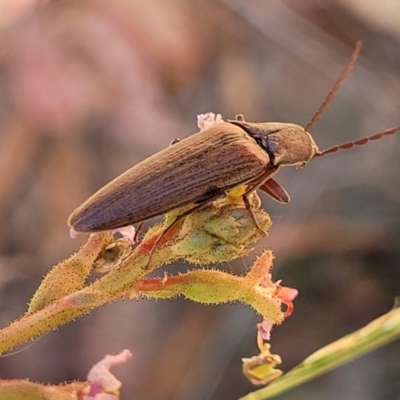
column 198, row 170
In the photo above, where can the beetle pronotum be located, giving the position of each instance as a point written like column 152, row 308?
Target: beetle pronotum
column 206, row 166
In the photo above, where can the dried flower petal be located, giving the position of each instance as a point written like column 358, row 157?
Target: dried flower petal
column 260, row 370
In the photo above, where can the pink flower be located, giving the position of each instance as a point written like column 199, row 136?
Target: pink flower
column 208, row 120
column 103, row 384
column 287, row 295
column 264, row 329
column 128, row 233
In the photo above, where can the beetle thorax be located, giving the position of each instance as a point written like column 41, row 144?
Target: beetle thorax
column 286, row 144
column 290, row 145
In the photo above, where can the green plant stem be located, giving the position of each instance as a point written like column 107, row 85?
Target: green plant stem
column 118, row 283
column 378, row 333
column 73, row 271
column 222, row 231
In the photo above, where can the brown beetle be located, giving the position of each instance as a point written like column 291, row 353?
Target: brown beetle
column 206, row 166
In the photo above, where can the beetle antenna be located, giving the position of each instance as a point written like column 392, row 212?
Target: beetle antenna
column 349, row 145
column 343, row 75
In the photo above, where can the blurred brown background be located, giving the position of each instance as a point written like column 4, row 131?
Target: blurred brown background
column 89, row 88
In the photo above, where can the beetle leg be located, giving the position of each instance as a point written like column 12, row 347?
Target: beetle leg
column 197, row 207
column 176, row 140
column 239, row 117
column 275, row 190
column 252, row 216
column 257, row 184
column 265, row 183
column 138, row 229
